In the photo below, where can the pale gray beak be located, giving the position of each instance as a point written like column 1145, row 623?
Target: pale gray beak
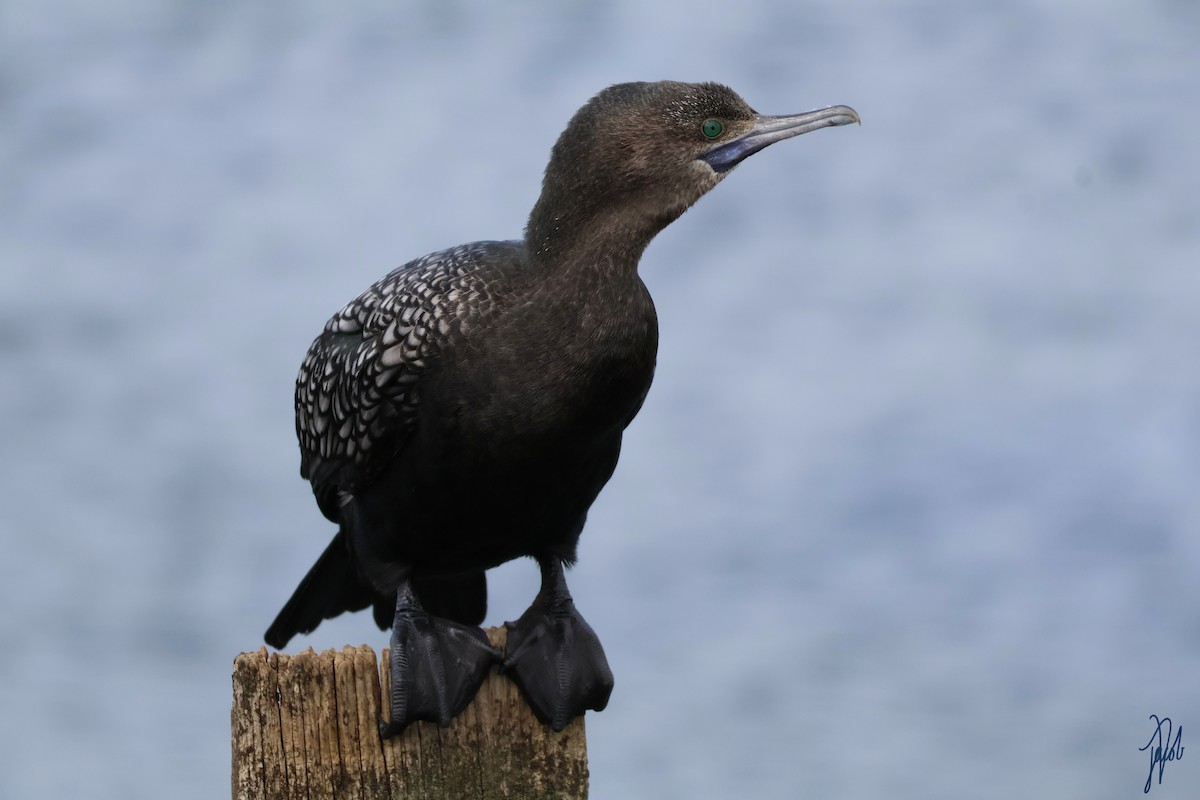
column 768, row 130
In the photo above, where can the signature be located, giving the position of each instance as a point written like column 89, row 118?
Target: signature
column 1158, row 756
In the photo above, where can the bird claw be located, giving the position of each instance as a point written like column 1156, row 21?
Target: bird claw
column 556, row 661
column 437, row 666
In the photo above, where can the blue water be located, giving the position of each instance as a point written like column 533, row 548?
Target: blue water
column 912, row 509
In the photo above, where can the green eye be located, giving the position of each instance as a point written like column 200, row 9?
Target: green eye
column 711, row 128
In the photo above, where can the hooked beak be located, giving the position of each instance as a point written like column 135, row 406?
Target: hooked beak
column 768, row 130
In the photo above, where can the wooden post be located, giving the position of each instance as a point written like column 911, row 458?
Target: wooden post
column 307, row 726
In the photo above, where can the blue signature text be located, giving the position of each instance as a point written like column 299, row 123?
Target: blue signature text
column 1160, row 755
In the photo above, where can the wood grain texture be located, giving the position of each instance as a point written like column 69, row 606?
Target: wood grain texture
column 307, row 726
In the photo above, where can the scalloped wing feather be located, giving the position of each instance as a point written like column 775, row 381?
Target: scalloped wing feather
column 358, row 389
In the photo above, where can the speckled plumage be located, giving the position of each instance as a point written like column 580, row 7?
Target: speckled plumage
column 358, row 387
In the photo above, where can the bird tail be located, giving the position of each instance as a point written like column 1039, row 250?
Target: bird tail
column 331, row 587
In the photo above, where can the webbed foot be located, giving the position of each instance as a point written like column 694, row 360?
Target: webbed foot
column 554, row 657
column 437, row 666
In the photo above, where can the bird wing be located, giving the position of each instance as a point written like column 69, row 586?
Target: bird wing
column 358, row 389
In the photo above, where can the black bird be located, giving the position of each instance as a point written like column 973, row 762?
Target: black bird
column 468, row 408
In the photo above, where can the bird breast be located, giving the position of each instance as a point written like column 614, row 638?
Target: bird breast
column 562, row 369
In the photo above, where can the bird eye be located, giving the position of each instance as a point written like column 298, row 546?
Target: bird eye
column 711, row 128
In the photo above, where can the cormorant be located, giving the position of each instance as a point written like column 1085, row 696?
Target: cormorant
column 468, row 408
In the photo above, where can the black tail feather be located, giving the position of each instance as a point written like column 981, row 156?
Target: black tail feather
column 331, row 587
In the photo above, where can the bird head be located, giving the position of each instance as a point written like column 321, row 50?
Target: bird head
column 637, row 155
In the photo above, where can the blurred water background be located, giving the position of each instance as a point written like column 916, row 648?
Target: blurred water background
column 912, row 508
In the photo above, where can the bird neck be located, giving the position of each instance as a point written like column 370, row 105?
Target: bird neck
column 605, row 236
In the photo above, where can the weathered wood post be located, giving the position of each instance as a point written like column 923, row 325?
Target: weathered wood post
column 306, row 726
